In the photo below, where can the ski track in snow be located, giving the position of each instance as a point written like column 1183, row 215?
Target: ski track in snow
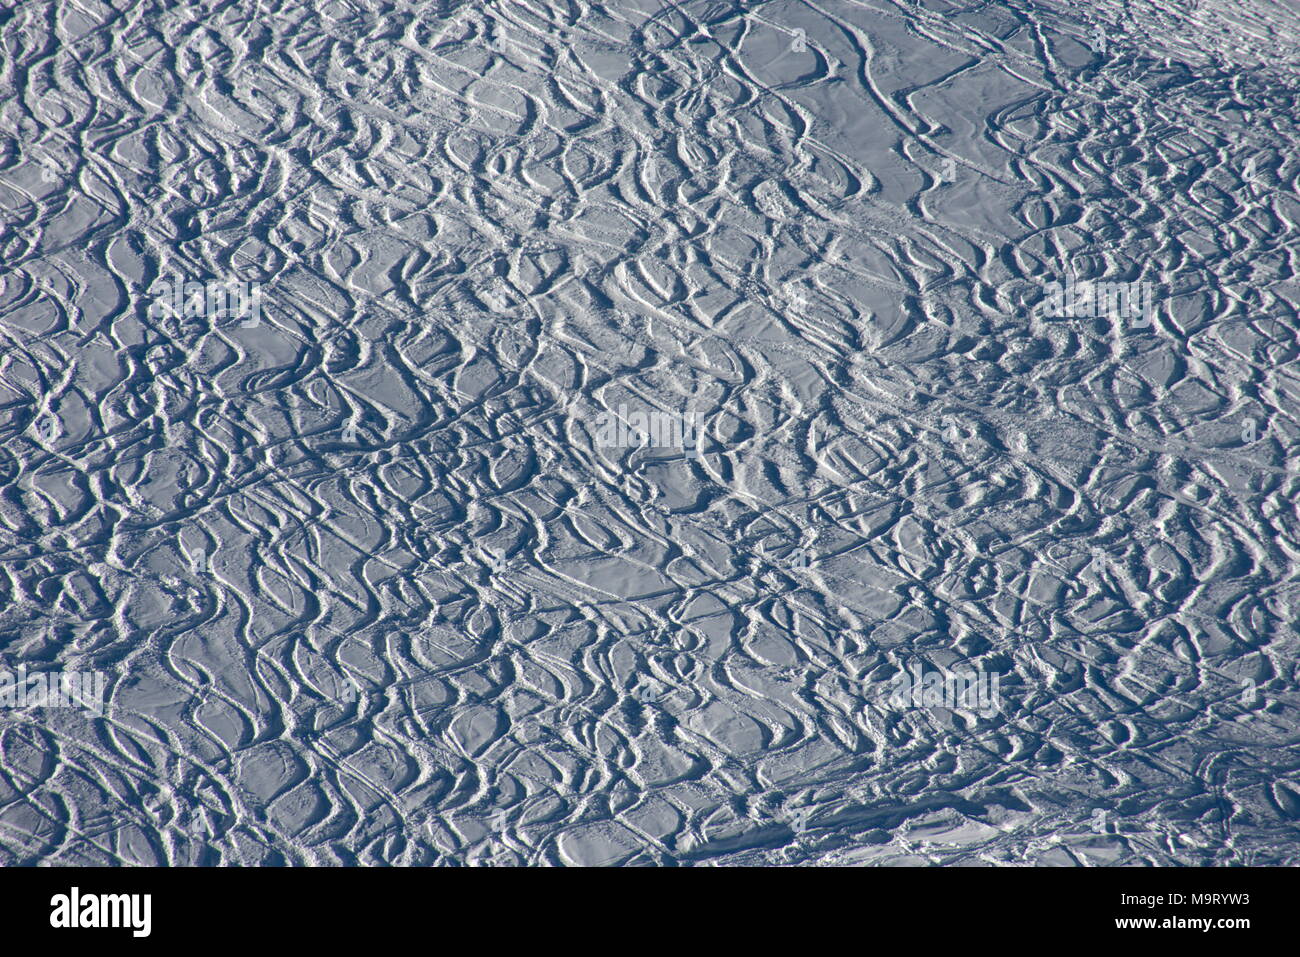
column 368, row 590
